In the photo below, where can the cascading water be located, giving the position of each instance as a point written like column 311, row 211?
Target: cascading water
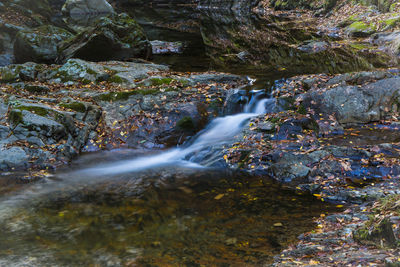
column 218, row 132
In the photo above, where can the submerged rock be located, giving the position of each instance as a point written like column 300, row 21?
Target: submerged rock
column 116, row 37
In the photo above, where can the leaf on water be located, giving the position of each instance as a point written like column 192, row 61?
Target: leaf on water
column 218, row 197
column 278, row 224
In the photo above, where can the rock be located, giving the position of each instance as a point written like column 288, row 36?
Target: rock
column 388, row 41
column 4, row 132
column 82, row 7
column 39, row 44
column 163, row 47
column 36, row 89
column 313, row 46
column 360, row 29
column 116, row 37
column 354, row 104
column 216, row 78
column 40, row 124
column 266, row 126
column 13, row 157
column 75, row 70
column 3, row 110
column 6, row 59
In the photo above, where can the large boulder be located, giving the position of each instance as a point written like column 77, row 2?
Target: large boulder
column 357, row 104
column 116, row 37
column 82, row 7
column 39, row 44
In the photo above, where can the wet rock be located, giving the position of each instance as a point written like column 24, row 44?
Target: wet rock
column 235, row 101
column 83, row 7
column 116, row 37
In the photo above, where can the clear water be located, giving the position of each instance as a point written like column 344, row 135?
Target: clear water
column 126, row 208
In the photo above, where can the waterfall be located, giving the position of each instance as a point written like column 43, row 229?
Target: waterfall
column 219, row 131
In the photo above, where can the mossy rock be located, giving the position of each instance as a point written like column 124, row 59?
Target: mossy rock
column 34, row 109
column 360, row 29
column 115, row 37
column 378, row 235
column 116, row 79
column 391, row 23
column 161, row 81
column 39, row 44
column 15, row 117
column 75, row 106
column 36, row 89
column 116, row 96
column 77, row 70
column 8, row 75
column 186, row 123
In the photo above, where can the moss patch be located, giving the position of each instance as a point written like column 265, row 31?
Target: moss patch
column 34, row 109
column 76, row 106
column 116, row 79
column 15, row 117
column 186, row 123
column 161, row 81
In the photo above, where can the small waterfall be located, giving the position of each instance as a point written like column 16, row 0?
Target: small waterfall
column 219, row 131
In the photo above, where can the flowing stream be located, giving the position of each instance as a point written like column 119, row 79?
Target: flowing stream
column 218, row 132
column 167, row 208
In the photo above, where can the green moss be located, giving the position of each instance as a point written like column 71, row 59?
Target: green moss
column 147, row 91
column 64, row 76
column 274, row 120
column 76, row 106
column 115, row 79
column 301, row 109
column 359, row 46
column 85, row 81
column 161, row 81
column 184, row 82
column 15, row 117
column 7, row 75
column 392, row 22
column 36, row 88
column 34, row 109
column 359, row 26
column 90, row 71
column 185, row 123
column 115, row 96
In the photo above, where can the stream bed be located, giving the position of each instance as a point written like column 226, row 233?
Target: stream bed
column 171, row 216
column 165, row 215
